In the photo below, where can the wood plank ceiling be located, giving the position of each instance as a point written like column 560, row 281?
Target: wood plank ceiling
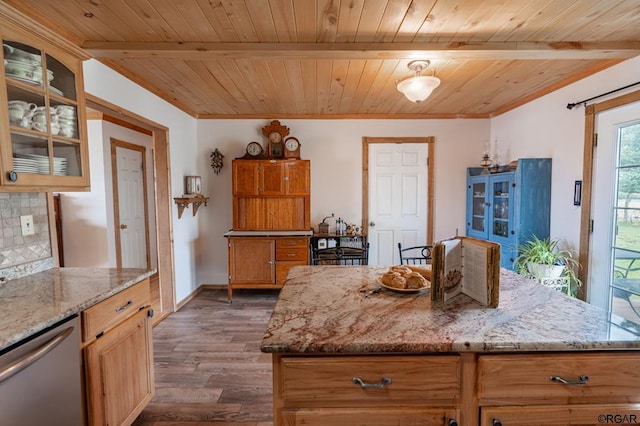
column 342, row 58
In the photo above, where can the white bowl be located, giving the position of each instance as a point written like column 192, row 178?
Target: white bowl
column 19, row 55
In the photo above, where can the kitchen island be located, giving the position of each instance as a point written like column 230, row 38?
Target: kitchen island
column 346, row 351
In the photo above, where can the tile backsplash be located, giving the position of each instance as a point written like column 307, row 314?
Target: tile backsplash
column 22, row 255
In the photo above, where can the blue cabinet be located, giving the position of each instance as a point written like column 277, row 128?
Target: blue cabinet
column 510, row 206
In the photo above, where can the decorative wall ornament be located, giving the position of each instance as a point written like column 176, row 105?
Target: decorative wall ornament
column 216, row 161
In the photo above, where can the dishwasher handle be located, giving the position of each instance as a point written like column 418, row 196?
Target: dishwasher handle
column 22, row 363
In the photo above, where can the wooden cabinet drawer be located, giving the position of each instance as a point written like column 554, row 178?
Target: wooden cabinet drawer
column 369, row 416
column 292, row 253
column 115, row 309
column 561, row 415
column 322, row 379
column 291, row 243
column 614, row 374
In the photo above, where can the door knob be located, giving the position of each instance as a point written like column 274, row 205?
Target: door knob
column 123, row 226
column 372, row 224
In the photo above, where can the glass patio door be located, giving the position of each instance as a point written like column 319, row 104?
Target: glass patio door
column 625, row 283
column 614, row 265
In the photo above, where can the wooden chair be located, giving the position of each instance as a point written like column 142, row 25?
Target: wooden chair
column 417, row 255
column 340, row 256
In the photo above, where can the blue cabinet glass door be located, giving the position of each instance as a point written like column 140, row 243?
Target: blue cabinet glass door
column 477, row 202
column 501, row 205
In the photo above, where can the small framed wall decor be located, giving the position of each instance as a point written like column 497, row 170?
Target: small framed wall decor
column 193, row 185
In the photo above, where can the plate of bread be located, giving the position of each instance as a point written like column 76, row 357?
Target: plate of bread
column 406, row 278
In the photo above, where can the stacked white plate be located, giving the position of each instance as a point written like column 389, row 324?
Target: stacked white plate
column 32, row 163
column 25, row 165
column 59, row 166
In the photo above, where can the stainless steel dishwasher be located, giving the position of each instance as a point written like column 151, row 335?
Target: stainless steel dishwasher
column 40, row 382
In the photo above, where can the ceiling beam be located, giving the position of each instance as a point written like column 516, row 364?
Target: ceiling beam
column 462, row 51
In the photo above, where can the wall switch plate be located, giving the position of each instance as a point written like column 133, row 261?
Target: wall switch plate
column 27, row 225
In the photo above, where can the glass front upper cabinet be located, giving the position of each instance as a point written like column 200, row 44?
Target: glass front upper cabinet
column 46, row 141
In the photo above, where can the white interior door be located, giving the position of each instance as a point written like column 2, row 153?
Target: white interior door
column 131, row 223
column 397, row 199
column 608, row 209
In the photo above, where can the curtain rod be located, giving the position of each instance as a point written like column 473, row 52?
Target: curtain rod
column 573, row 105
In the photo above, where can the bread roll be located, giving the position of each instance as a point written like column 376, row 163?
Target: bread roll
column 388, row 277
column 398, row 282
column 415, row 280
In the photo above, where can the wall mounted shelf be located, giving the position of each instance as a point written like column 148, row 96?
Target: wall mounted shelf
column 183, row 203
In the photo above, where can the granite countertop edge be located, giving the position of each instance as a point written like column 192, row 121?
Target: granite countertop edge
column 338, row 310
column 267, row 233
column 83, row 288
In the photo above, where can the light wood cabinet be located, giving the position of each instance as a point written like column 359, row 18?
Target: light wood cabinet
column 394, row 389
column 271, row 194
column 263, row 262
column 118, row 356
column 43, row 143
column 558, row 389
column 523, row 389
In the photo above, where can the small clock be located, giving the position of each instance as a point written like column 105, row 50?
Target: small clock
column 275, row 133
column 292, row 148
column 254, row 150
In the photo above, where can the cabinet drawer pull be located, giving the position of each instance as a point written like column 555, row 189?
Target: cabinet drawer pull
column 123, row 307
column 496, row 422
column 364, row 385
column 582, row 380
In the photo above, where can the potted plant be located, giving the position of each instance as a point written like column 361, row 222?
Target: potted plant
column 543, row 259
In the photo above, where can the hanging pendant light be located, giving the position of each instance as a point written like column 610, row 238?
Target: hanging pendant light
column 419, row 87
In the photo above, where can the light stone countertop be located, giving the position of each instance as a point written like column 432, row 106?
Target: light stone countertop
column 326, row 309
column 239, row 233
column 32, row 303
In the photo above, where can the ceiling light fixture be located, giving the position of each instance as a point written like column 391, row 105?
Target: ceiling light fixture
column 419, row 87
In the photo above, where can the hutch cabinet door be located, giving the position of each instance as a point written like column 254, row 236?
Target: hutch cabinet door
column 245, row 177
column 297, row 177
column 501, row 208
column 271, row 178
column 477, row 207
column 252, row 260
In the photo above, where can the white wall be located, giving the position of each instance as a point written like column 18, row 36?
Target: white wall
column 89, row 216
column 546, row 128
column 335, row 150
column 84, row 214
column 107, row 84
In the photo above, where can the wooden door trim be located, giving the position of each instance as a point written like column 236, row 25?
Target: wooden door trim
column 162, row 187
column 430, row 141
column 587, row 180
column 116, row 143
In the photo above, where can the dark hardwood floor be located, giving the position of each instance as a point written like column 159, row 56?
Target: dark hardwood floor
column 208, row 366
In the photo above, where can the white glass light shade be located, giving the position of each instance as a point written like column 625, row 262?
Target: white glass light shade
column 418, row 88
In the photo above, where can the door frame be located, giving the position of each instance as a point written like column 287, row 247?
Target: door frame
column 162, row 187
column 116, row 143
column 430, row 141
column 587, row 180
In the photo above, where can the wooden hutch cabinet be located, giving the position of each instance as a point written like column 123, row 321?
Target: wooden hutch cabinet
column 271, row 221
column 43, row 143
column 271, row 194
